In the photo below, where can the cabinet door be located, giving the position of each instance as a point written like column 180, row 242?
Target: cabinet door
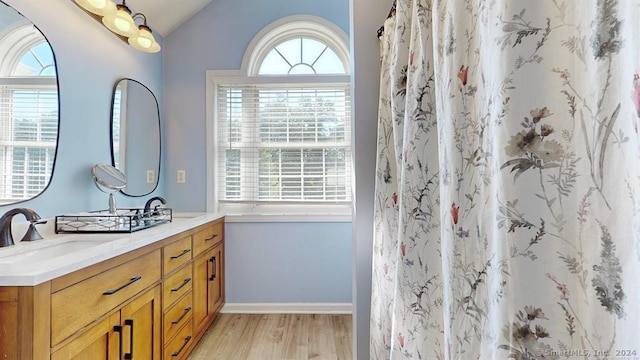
column 201, row 269
column 208, row 286
column 216, row 280
column 10, row 324
column 103, row 341
column 141, row 321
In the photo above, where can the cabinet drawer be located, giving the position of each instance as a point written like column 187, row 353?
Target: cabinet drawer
column 177, row 285
column 78, row 305
column 206, row 238
column 177, row 316
column 176, row 254
column 178, row 347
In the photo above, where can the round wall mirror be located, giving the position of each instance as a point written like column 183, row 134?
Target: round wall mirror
column 135, row 136
column 107, row 176
column 109, row 179
column 29, row 103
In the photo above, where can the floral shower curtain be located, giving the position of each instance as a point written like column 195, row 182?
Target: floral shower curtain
column 507, row 204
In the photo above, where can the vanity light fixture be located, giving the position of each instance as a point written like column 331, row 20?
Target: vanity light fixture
column 144, row 40
column 118, row 19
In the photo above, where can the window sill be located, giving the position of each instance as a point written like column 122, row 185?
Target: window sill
column 307, row 213
column 273, row 218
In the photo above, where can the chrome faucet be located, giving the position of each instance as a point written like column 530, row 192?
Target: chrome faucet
column 147, row 205
column 6, row 237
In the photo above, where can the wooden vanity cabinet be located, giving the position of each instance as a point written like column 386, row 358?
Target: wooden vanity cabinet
column 78, row 305
column 132, row 332
column 177, row 296
column 100, row 342
column 208, row 274
column 204, row 293
column 127, row 296
column 152, row 303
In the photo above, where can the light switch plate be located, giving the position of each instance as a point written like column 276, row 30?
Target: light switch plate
column 151, row 176
column 181, row 177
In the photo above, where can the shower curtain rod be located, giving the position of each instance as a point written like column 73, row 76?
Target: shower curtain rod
column 391, row 12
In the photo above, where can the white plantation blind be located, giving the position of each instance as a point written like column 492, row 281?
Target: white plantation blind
column 28, row 136
column 284, row 143
column 117, row 128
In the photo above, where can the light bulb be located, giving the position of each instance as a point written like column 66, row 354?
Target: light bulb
column 144, row 41
column 98, row 7
column 98, row 4
column 121, row 22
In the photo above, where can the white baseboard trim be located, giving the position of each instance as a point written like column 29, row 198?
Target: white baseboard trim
column 287, row 308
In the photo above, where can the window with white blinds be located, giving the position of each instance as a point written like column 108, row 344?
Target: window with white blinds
column 28, row 111
column 279, row 143
column 117, row 128
column 288, row 143
column 28, row 137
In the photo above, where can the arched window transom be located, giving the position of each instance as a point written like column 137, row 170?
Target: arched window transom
column 301, row 56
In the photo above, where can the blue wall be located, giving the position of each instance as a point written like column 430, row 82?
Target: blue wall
column 288, row 262
column 90, row 60
column 215, row 39
column 265, row 262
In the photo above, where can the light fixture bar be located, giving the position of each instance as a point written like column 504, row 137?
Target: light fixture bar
column 118, row 19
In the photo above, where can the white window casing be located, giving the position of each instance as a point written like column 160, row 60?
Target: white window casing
column 279, row 142
column 29, row 113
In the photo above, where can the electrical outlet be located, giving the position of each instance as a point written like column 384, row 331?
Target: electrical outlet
column 181, row 177
column 151, row 176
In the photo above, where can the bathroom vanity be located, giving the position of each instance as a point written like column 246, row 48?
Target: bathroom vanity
column 146, row 295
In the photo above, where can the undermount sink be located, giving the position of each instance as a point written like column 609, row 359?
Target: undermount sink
column 48, row 252
column 25, row 254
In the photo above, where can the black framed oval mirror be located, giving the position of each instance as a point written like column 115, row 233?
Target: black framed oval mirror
column 135, row 136
column 29, row 105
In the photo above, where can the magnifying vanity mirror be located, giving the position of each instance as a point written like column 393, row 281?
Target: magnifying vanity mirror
column 109, row 180
column 135, row 136
column 28, row 108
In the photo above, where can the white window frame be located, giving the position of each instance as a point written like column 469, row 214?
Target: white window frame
column 15, row 41
column 280, row 30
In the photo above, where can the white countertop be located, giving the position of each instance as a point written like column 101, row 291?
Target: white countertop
column 23, row 264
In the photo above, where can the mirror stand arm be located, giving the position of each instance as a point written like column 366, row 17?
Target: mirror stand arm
column 112, row 204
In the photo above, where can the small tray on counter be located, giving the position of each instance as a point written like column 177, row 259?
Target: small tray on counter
column 102, row 221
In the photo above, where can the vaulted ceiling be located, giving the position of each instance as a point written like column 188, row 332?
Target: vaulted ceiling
column 164, row 16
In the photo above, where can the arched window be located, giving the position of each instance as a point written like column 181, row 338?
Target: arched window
column 301, row 56
column 29, row 116
column 282, row 123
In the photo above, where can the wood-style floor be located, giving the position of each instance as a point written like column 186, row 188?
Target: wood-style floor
column 276, row 337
